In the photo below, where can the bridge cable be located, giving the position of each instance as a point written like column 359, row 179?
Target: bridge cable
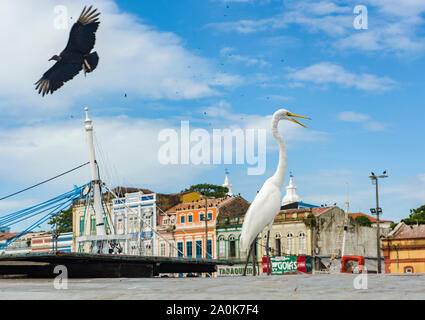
column 40, row 183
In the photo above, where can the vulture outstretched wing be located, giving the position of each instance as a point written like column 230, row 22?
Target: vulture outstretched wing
column 83, row 33
column 56, row 76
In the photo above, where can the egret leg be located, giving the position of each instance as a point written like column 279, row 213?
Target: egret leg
column 254, row 259
column 247, row 260
column 267, row 253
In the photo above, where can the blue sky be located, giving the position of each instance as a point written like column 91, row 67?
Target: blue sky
column 223, row 64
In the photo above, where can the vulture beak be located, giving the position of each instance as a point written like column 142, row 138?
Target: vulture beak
column 55, row 58
column 297, row 116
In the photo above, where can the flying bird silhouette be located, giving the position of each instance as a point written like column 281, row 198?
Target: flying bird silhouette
column 75, row 56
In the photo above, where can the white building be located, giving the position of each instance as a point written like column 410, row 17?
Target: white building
column 134, row 216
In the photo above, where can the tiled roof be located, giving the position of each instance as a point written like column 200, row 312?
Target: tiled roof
column 7, row 235
column 371, row 219
column 121, row 191
column 319, row 211
column 199, row 204
column 411, row 231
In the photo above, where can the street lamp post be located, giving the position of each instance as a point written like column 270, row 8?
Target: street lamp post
column 377, row 211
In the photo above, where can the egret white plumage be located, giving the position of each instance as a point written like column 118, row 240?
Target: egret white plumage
column 266, row 204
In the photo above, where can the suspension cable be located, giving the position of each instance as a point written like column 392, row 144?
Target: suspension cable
column 40, row 183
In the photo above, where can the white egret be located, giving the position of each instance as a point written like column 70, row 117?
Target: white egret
column 266, row 205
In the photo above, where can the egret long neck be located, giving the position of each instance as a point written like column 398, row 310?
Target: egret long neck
column 279, row 175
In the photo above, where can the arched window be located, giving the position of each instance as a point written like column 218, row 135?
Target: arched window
column 171, row 249
column 408, row 269
column 289, row 243
column 232, row 246
column 162, row 249
column 278, row 251
column 302, row 243
column 221, row 247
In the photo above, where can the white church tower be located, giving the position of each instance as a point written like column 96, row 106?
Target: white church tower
column 228, row 185
column 291, row 193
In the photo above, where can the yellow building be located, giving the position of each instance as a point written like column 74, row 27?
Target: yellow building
column 84, row 223
column 404, row 249
column 190, row 196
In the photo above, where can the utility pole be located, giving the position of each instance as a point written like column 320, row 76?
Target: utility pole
column 378, row 240
column 345, row 221
column 377, row 210
column 100, row 224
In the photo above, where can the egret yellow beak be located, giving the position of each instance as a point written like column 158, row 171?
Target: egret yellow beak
column 297, row 116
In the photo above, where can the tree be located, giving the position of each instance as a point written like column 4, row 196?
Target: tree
column 417, row 216
column 209, row 190
column 64, row 221
column 310, row 221
column 363, row 221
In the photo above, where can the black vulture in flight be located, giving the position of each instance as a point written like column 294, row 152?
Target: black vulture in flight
column 75, row 56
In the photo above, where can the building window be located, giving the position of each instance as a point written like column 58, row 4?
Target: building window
column 289, row 244
column 189, row 218
column 209, row 216
column 171, row 249
column 232, row 247
column 81, row 225
column 181, row 219
column 278, row 244
column 209, row 249
column 165, row 221
column 189, row 248
column 199, row 248
column 221, row 247
column 92, row 225
column 302, row 242
column 201, row 217
column 180, row 249
column 148, row 248
column 163, row 249
column 408, row 269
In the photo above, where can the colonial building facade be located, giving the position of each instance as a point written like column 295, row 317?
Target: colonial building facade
column 404, row 249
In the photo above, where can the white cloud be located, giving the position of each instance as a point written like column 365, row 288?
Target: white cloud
column 37, row 152
column 375, row 126
column 329, row 73
column 395, row 26
column 366, row 120
column 134, row 58
column 221, row 116
column 353, row 116
column 411, row 188
column 229, row 54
